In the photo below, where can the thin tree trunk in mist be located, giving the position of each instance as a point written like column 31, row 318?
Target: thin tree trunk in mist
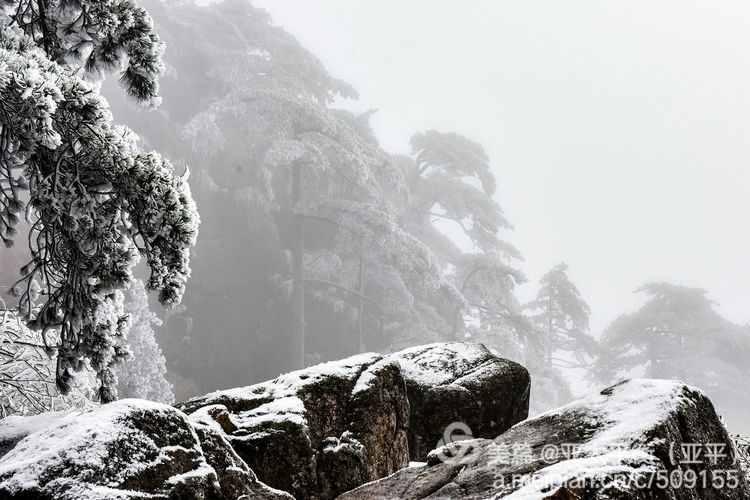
column 361, row 312
column 298, row 249
column 548, row 347
column 456, row 322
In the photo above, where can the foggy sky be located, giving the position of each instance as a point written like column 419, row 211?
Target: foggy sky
column 618, row 130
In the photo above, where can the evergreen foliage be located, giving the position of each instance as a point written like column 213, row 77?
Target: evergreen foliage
column 266, row 107
column 561, row 315
column 92, row 198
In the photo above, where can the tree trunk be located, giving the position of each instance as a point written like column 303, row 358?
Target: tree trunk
column 298, row 251
column 549, row 343
column 456, row 321
column 361, row 312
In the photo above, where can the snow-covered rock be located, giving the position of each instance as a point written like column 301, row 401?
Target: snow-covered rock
column 308, row 432
column 641, row 439
column 321, row 431
column 131, row 449
column 16, row 427
column 460, row 384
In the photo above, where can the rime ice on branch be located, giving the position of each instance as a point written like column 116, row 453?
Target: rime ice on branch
column 93, row 200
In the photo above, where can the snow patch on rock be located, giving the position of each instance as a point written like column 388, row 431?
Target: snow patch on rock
column 290, row 384
column 77, row 440
column 626, row 411
column 439, row 363
column 15, row 427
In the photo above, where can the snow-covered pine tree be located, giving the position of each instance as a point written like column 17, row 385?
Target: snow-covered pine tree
column 93, row 200
column 348, row 184
column 143, row 373
column 561, row 317
column 212, row 52
column 451, row 189
column 277, row 123
column 450, row 179
column 493, row 314
column 264, row 104
column 401, row 274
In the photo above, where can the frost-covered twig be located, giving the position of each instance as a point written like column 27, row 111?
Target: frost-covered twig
column 27, row 375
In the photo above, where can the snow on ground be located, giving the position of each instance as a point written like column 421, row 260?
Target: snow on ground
column 634, row 408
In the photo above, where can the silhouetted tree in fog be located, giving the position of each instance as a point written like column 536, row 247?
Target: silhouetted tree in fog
column 561, row 339
column 451, row 193
column 561, row 316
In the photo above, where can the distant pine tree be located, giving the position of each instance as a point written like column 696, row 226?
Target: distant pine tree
column 561, row 338
column 561, row 316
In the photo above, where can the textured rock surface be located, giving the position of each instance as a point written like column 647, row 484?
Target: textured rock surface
column 631, row 441
column 316, row 432
column 131, row 449
column 460, row 383
column 236, row 479
column 324, row 430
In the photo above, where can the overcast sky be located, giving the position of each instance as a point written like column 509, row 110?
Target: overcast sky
column 618, row 131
